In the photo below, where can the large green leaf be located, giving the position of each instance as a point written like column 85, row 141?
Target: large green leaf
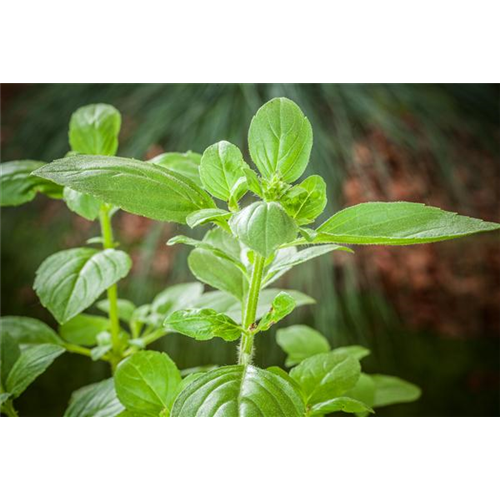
column 147, row 382
column 18, row 186
column 84, row 329
column 301, row 342
column 399, row 223
column 221, row 167
column 95, row 400
column 280, row 140
column 263, row 227
column 238, row 391
column 306, row 201
column 203, row 324
column 391, row 390
column 9, row 353
column 70, row 281
column 84, row 205
column 186, row 164
column 138, row 187
column 29, row 330
column 94, row 129
column 326, row 376
column 32, row 362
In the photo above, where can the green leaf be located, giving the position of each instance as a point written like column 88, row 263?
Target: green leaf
column 70, row 281
column 283, row 304
column 186, row 164
column 399, row 223
column 95, row 400
column 100, row 351
column 364, row 391
column 9, row 353
column 326, row 376
column 220, row 168
column 18, row 186
column 29, row 330
column 4, row 396
column 345, row 404
column 356, row 351
column 238, row 391
column 207, row 215
column 306, row 201
column 94, row 129
column 239, row 189
column 263, row 227
column 32, row 362
column 84, row 205
column 126, row 308
column 205, row 245
column 147, row 382
column 391, row 390
column 253, row 181
column 293, row 259
column 280, row 140
column 301, row 342
column 203, row 324
column 138, row 187
column 177, row 297
column 83, row 329
column 217, row 272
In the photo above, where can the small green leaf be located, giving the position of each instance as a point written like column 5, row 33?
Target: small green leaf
column 301, row 342
column 326, row 376
column 207, row 215
column 239, row 189
column 29, row 330
column 70, row 281
column 100, row 351
column 203, row 324
column 399, row 223
column 95, row 400
column 283, row 304
column 280, row 140
column 94, row 129
column 356, row 351
column 391, row 390
column 186, row 164
column 4, row 396
column 138, row 187
column 32, row 362
column 9, row 353
column 126, row 308
column 345, row 404
column 84, row 205
column 83, row 329
column 263, row 227
column 220, row 168
column 147, row 382
column 306, row 201
column 293, row 259
column 238, row 391
column 18, row 186
column 218, row 272
column 176, row 297
column 253, row 181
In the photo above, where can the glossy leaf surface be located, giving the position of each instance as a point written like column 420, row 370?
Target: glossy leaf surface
column 95, row 400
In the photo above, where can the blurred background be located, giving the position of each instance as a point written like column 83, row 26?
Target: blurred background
column 429, row 313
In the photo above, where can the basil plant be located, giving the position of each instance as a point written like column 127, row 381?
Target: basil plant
column 261, row 225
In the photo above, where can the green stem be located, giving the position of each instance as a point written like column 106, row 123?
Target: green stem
column 361, row 422
column 108, row 242
column 250, row 311
column 12, row 451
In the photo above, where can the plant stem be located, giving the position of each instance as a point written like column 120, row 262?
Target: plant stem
column 108, row 242
column 12, row 451
column 250, row 311
column 361, row 422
